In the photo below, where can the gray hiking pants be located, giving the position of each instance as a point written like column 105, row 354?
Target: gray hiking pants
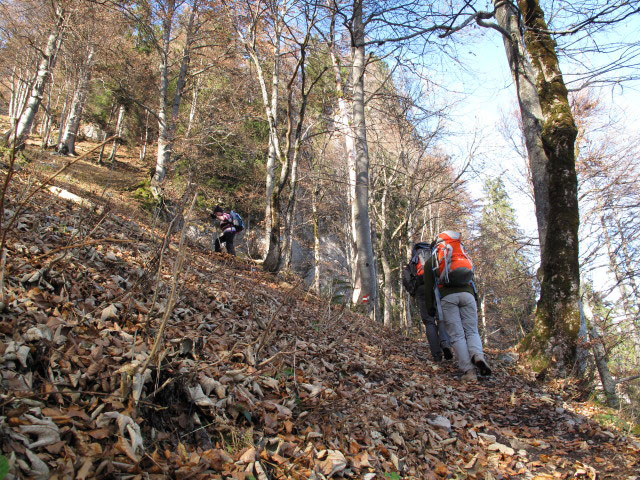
column 436, row 333
column 461, row 320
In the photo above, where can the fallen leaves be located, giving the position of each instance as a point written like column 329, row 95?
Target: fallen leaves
column 229, row 399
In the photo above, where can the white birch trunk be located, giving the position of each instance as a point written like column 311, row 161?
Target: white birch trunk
column 64, row 112
column 105, row 135
column 169, row 109
column 145, row 141
column 386, row 268
column 119, row 129
column 366, row 259
column 344, row 126
column 194, row 105
column 77, row 105
column 45, row 66
column 274, row 146
column 316, row 239
column 530, row 111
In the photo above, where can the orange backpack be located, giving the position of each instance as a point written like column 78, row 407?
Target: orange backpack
column 452, row 266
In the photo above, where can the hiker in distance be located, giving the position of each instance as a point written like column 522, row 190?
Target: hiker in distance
column 455, row 300
column 225, row 223
column 413, row 281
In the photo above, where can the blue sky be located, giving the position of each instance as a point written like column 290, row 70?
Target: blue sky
column 486, row 93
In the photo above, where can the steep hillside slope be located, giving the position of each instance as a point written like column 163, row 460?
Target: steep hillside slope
column 255, row 377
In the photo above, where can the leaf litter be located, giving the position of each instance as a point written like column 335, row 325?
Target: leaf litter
column 255, row 377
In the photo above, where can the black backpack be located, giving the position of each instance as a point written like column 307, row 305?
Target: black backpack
column 413, row 272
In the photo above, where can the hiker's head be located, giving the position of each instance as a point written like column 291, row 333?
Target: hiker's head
column 218, row 211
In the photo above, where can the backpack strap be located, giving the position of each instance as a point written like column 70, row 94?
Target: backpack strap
column 437, row 298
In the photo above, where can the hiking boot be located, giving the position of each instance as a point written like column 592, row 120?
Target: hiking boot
column 448, row 354
column 469, row 376
column 482, row 365
column 437, row 358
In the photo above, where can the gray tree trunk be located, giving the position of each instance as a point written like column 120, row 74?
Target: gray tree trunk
column 170, row 108
column 316, row 238
column 600, row 355
column 274, row 144
column 553, row 343
column 68, row 142
column 530, row 111
column 364, row 244
column 105, row 134
column 47, row 62
column 290, row 214
column 119, row 129
column 145, row 139
column 630, row 312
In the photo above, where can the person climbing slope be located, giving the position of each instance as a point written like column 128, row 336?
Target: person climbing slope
column 456, row 300
column 413, row 280
column 228, row 230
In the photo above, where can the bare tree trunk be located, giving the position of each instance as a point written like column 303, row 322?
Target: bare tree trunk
column 119, row 129
column 274, row 144
column 386, row 268
column 46, row 124
column 169, row 109
column 45, row 66
column 194, row 104
column 64, row 112
column 316, row 238
column 582, row 357
column 530, row 111
column 104, row 136
column 629, row 311
column 290, row 215
column 77, row 105
column 600, row 355
column 554, row 340
column 145, row 141
column 364, row 245
column 483, row 318
column 20, row 87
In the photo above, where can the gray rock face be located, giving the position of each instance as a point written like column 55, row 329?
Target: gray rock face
column 91, row 131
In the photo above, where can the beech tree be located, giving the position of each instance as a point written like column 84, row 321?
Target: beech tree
column 58, row 15
column 271, row 21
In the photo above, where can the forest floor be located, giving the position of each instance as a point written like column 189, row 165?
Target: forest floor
column 255, row 377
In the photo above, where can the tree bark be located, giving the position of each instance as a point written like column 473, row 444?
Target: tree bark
column 290, row 215
column 145, row 139
column 169, row 108
column 364, row 244
column 105, row 135
column 630, row 311
column 316, row 239
column 386, row 268
column 530, row 111
column 554, row 339
column 600, row 355
column 119, row 129
column 68, row 142
column 274, row 144
column 343, row 121
column 47, row 62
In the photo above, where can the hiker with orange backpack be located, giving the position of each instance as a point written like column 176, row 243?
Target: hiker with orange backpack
column 413, row 279
column 456, row 302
